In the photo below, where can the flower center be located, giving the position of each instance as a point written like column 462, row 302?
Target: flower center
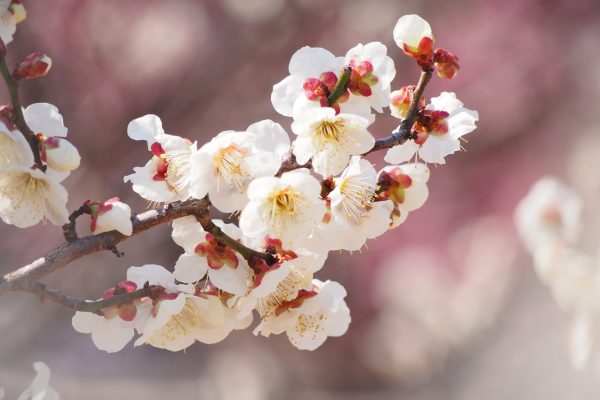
column 330, row 131
column 178, row 171
column 283, row 206
column 286, row 290
column 357, row 197
column 231, row 167
column 552, row 217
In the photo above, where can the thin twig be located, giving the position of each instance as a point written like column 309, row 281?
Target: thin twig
column 340, row 86
column 404, row 131
column 290, row 164
column 69, row 231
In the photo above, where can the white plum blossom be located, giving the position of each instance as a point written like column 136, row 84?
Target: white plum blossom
column 410, row 32
column 224, row 167
column 57, row 152
column 320, row 312
column 280, row 283
column 572, row 276
column 181, row 316
column 406, row 186
column 285, row 208
column 166, row 177
column 111, row 215
column 116, row 325
column 170, row 323
column 308, row 63
column 354, row 208
column 39, row 389
column 445, row 122
column 204, row 256
column 11, row 13
column 28, row 196
column 314, row 73
column 372, row 73
column 330, row 139
column 551, row 211
column 109, row 335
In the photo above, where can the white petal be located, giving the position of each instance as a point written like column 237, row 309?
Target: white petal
column 337, row 323
column 190, row 268
column 113, row 337
column 401, row 153
column 44, row 118
column 251, row 221
column 231, row 280
column 188, row 233
column 145, row 128
column 410, row 29
column 285, row 93
column 85, row 322
column 311, row 62
column 151, row 273
column 202, row 178
column 269, row 136
column 436, row 148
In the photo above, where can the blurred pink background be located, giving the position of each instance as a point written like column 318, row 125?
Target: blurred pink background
column 445, row 307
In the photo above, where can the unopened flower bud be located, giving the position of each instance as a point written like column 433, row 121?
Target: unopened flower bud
column 34, row 66
column 17, row 9
column 60, row 154
column 413, row 35
column 111, row 215
column 446, row 64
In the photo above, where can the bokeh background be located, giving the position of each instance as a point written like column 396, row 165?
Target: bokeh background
column 445, row 307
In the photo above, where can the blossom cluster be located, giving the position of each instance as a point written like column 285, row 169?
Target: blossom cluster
column 549, row 221
column 296, row 200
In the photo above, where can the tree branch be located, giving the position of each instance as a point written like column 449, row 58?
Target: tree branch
column 25, row 278
column 93, row 306
column 226, row 240
column 290, row 164
column 12, row 85
column 404, row 131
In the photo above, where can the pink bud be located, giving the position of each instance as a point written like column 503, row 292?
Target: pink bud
column 446, row 64
column 34, row 66
column 111, row 215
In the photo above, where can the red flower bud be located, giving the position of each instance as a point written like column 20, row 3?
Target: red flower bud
column 446, row 64
column 34, row 66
